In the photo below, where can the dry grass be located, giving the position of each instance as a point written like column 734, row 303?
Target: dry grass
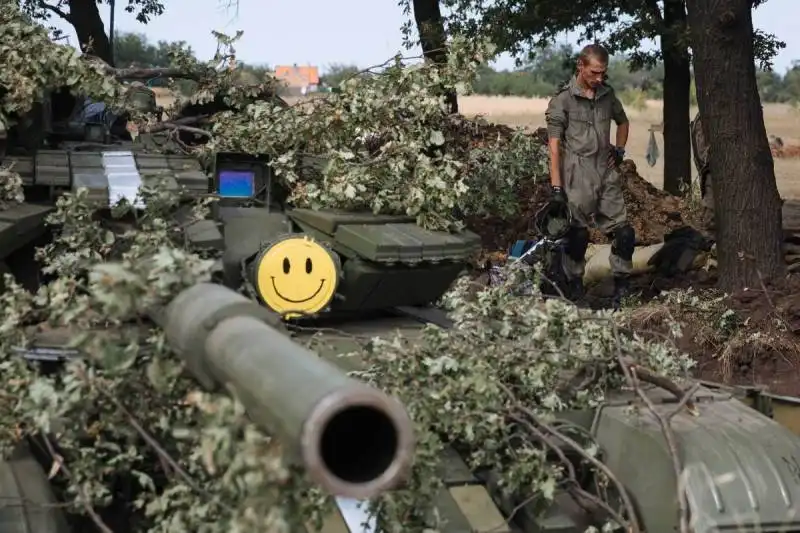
column 781, row 120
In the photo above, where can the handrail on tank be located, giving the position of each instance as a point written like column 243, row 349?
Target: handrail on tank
column 353, row 439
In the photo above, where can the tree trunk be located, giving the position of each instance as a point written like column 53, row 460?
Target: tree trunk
column 677, row 82
column 85, row 18
column 430, row 25
column 747, row 205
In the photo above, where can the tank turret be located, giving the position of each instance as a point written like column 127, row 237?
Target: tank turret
column 322, row 262
column 352, row 439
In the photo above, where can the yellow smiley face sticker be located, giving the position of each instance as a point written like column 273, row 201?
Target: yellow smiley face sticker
column 297, row 276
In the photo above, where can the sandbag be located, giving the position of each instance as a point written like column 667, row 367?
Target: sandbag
column 598, row 267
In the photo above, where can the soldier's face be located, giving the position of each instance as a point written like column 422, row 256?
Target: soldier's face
column 592, row 72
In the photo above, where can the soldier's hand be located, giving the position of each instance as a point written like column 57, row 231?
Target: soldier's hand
column 615, row 156
column 558, row 195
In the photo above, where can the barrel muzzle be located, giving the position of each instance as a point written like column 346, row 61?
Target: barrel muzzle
column 357, row 443
column 353, row 439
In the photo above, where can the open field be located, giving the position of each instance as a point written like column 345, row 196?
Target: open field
column 781, row 120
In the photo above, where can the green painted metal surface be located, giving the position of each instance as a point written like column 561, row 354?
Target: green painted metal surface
column 28, row 503
column 387, row 239
column 742, row 469
column 67, row 169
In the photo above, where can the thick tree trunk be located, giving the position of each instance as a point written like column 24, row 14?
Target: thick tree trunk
column 746, row 200
column 85, row 18
column 430, row 25
column 677, row 82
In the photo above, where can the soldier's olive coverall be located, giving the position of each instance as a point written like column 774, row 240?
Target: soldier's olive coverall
column 594, row 190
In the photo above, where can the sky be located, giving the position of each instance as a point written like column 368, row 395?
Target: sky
column 324, row 33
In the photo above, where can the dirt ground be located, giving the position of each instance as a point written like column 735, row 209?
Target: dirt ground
column 757, row 343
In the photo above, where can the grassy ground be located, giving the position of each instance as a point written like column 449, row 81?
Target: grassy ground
column 781, row 120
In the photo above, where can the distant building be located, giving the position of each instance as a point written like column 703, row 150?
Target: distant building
column 299, row 80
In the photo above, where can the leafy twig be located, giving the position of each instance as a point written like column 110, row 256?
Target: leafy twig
column 633, row 526
column 575, row 490
column 83, row 498
column 149, row 439
column 664, row 423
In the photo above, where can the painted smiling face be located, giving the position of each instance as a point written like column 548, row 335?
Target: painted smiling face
column 296, row 276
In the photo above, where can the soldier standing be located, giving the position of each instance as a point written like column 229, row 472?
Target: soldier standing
column 584, row 168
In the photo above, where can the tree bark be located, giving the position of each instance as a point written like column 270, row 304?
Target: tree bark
column 746, row 201
column 677, row 101
column 85, row 18
column 430, row 24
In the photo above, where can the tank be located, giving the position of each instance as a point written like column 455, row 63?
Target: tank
column 322, row 264
column 67, row 142
column 372, row 275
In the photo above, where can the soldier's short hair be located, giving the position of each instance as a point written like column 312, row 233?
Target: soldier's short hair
column 596, row 51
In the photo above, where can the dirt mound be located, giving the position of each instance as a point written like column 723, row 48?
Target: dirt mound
column 765, row 349
column 751, row 338
column 651, row 211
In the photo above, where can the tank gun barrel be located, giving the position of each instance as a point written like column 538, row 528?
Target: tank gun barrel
column 353, row 439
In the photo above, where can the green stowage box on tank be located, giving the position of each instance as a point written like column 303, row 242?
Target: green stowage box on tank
column 388, row 260
column 108, row 174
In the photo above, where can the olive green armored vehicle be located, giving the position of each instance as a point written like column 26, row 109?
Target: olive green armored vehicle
column 371, row 275
column 67, row 142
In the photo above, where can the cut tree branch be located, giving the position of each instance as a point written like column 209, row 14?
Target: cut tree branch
column 184, row 124
column 627, row 503
column 588, row 501
column 664, row 423
column 648, row 376
column 147, row 437
column 627, row 365
column 146, row 73
column 83, row 498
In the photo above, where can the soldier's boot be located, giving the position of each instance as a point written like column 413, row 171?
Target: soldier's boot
column 575, row 253
column 622, row 289
column 622, row 248
column 575, row 290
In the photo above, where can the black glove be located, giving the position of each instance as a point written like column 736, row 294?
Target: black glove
column 618, row 154
column 558, row 195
